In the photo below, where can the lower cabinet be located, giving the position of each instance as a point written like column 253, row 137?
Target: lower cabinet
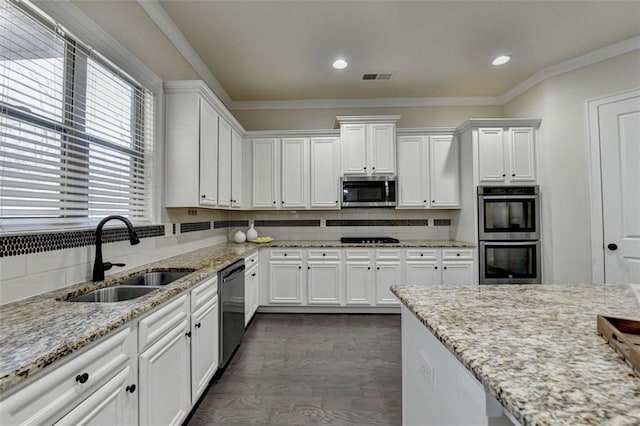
column 439, row 266
column 387, row 274
column 358, row 278
column 204, row 346
column 251, row 293
column 324, row 282
column 286, row 280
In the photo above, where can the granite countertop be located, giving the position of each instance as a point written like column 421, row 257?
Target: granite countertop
column 40, row 330
column 535, row 348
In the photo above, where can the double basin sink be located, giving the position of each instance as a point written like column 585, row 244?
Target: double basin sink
column 132, row 287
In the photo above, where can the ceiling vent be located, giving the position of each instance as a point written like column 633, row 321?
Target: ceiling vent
column 376, row 76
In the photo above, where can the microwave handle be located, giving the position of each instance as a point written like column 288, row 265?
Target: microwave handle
column 386, row 191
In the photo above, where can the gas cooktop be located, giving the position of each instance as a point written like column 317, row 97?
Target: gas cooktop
column 368, row 240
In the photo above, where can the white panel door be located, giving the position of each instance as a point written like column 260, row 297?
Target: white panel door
column 325, row 173
column 353, row 149
column 457, row 273
column 224, row 163
column 204, row 347
column 522, row 155
column 381, row 148
column 387, row 274
column 619, row 124
column 412, row 172
column 208, row 154
column 491, row 155
column 285, row 282
column 295, row 173
column 236, row 169
column 165, row 379
column 324, row 284
column 444, row 171
column 265, row 173
column 422, row 273
column 359, row 282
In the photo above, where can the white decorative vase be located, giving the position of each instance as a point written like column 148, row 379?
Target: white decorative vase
column 239, row 237
column 252, row 234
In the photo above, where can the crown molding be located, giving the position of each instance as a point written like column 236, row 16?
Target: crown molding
column 302, row 133
column 498, row 122
column 420, row 131
column 169, row 28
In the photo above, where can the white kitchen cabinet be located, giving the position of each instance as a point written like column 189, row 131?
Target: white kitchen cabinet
column 325, row 173
column 224, row 163
column 368, row 145
column 266, row 175
column 106, row 368
column 286, row 278
column 251, row 286
column 204, row 346
column 237, row 168
column 295, row 173
column 428, row 172
column 506, row 156
column 359, row 277
column 164, row 364
column 422, row 273
column 439, row 266
column 191, row 148
column 324, row 277
column 388, row 271
column 458, row 273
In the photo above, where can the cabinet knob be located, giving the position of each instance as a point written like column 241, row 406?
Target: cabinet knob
column 457, row 254
column 131, row 389
column 424, row 201
column 274, row 202
column 285, row 254
column 324, row 254
column 513, row 174
column 369, row 267
column 373, row 168
column 282, row 202
column 336, row 201
column 435, row 267
column 365, row 168
column 299, row 267
column 253, row 275
column 198, row 325
column 444, row 267
column 188, row 334
column 503, row 175
column 378, row 268
column 612, row 246
column 308, row 267
column 203, row 196
column 82, row 378
column 421, row 254
column 433, row 201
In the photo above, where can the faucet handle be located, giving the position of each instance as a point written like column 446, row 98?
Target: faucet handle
column 108, row 265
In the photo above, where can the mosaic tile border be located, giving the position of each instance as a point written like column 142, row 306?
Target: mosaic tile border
column 18, row 245
column 287, row 223
column 194, row 226
column 378, row 222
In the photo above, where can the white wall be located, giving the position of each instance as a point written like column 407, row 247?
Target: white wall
column 564, row 158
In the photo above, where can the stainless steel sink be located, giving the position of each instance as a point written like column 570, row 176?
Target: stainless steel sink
column 158, row 278
column 117, row 293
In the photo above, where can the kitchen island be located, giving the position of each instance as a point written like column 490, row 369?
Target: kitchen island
column 532, row 351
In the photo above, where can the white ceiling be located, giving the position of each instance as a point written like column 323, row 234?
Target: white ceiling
column 283, row 50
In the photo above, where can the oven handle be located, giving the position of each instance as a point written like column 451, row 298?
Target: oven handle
column 510, row 243
column 508, row 197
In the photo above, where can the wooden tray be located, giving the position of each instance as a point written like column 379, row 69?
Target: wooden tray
column 624, row 336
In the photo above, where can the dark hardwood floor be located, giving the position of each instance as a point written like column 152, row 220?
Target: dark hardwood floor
column 295, row 369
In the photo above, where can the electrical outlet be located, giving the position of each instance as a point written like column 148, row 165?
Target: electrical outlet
column 323, row 223
column 192, row 212
column 426, row 369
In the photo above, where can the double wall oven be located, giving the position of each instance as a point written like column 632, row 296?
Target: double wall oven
column 509, row 234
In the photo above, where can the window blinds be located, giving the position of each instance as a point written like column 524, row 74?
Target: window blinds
column 76, row 132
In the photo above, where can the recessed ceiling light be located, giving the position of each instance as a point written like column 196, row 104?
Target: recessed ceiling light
column 501, row 60
column 340, row 64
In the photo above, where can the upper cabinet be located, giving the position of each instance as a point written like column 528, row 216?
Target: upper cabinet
column 504, row 150
column 198, row 148
column 368, row 145
column 237, row 181
column 295, row 173
column 428, row 171
column 266, row 174
column 325, row 172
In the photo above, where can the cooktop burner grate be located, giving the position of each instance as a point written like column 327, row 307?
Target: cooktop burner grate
column 368, row 240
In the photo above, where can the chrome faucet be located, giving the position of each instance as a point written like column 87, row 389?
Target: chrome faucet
column 98, row 266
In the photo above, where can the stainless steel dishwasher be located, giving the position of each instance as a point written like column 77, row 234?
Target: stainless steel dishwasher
column 231, row 295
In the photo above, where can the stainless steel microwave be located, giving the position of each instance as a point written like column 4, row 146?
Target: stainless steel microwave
column 368, row 191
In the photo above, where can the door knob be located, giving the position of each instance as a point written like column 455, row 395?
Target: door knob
column 612, row 246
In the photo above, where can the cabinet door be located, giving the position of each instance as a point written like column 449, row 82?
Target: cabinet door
column 295, row 172
column 359, row 282
column 236, row 169
column 422, row 273
column 457, row 273
column 325, row 173
column 265, row 168
column 324, row 284
column 491, row 155
column 114, row 403
column 522, row 155
column 387, row 274
column 412, row 174
column 444, row 171
column 204, row 347
column 285, row 282
column 208, row 154
column 353, row 149
column 381, row 148
column 165, row 378
column 224, row 163
column 251, row 294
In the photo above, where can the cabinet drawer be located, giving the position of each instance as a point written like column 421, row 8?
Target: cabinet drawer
column 452, row 254
column 286, row 254
column 422, row 254
column 319, row 254
column 388, row 254
column 53, row 395
column 204, row 292
column 251, row 260
column 250, row 272
column 167, row 317
column 358, row 254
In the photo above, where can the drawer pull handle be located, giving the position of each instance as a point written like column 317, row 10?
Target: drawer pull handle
column 131, row 389
column 82, row 378
column 198, row 325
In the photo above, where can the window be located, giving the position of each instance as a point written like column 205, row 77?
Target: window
column 76, row 132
